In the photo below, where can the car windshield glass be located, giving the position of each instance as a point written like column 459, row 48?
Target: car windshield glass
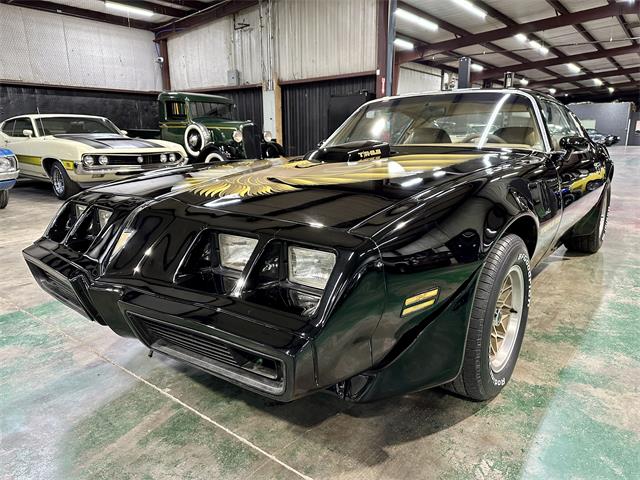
column 210, row 109
column 62, row 125
column 477, row 120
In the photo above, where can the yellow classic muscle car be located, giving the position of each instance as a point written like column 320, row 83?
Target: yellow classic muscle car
column 79, row 151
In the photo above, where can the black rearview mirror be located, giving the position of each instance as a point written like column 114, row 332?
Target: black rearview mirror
column 574, row 144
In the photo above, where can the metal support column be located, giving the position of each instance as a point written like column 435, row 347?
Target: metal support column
column 391, row 35
column 464, row 72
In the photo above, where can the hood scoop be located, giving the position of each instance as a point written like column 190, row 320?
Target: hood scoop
column 350, row 152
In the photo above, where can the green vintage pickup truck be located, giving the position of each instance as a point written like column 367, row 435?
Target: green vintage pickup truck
column 203, row 125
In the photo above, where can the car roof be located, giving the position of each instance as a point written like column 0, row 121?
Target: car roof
column 194, row 97
column 521, row 91
column 51, row 115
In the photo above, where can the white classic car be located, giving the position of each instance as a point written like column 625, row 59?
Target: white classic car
column 79, row 151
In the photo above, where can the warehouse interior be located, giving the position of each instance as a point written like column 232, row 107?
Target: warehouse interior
column 78, row 401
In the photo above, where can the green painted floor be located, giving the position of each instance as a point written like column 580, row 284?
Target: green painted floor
column 77, row 401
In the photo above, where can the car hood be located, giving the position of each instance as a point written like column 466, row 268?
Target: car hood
column 338, row 195
column 108, row 140
column 219, row 123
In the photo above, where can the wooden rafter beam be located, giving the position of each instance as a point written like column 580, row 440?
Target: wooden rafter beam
column 525, row 28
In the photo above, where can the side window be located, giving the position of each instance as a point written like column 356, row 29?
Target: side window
column 176, row 111
column 559, row 123
column 20, row 125
column 7, row 129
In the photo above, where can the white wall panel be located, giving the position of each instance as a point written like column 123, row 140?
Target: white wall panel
column 201, row 57
column 318, row 38
column 416, row 78
column 47, row 48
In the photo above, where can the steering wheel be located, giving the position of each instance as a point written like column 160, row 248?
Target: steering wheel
column 491, row 138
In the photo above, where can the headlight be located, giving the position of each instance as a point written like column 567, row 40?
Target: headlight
column 172, row 157
column 80, row 210
column 310, row 267
column 124, row 237
column 7, row 164
column 237, row 136
column 103, row 160
column 103, row 217
column 163, row 158
column 235, row 251
column 267, row 136
column 88, row 160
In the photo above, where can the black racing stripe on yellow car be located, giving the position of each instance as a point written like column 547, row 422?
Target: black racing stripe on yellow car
column 420, row 301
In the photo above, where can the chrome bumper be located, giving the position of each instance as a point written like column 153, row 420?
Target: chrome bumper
column 12, row 175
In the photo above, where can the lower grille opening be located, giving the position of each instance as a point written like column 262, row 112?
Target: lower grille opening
column 211, row 354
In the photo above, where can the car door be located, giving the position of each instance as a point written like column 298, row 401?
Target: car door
column 582, row 175
column 23, row 146
column 173, row 121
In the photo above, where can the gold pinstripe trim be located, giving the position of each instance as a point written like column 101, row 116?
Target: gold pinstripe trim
column 420, row 301
column 417, row 307
column 420, row 297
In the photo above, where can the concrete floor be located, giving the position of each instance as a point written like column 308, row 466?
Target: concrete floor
column 77, row 401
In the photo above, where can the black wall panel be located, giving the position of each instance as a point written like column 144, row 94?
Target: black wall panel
column 305, row 109
column 611, row 118
column 126, row 110
column 248, row 103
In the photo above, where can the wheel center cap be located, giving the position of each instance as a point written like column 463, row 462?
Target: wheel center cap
column 496, row 317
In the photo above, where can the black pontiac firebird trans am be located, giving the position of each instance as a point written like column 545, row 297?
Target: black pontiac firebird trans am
column 395, row 257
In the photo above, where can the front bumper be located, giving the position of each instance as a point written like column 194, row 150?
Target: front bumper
column 270, row 361
column 8, row 179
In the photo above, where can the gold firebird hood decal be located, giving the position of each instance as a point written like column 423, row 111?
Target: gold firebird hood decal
column 265, row 177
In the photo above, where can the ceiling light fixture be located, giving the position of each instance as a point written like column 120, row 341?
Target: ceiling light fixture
column 597, row 82
column 573, row 67
column 476, row 67
column 403, row 44
column 415, row 19
column 128, row 9
column 537, row 46
column 611, row 89
column 521, row 37
column 524, row 82
column 470, row 7
column 552, row 91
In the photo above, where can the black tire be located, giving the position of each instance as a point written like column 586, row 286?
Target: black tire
column 63, row 186
column 478, row 380
column 4, row 198
column 591, row 243
column 213, row 155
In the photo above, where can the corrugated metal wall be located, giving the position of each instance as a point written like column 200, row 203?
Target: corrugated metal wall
column 127, row 110
column 201, row 57
column 416, row 78
column 305, row 110
column 318, row 38
column 46, row 48
column 248, row 103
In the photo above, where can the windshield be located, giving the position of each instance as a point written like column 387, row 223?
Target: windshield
column 62, row 125
column 210, row 109
column 474, row 120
